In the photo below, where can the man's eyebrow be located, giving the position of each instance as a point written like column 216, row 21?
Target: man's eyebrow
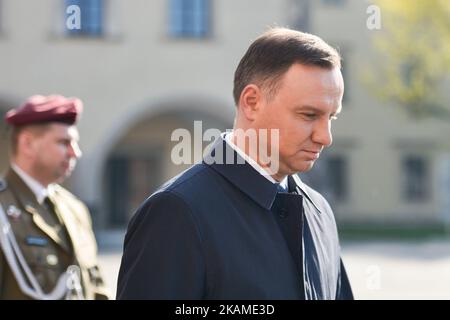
column 308, row 108
column 315, row 109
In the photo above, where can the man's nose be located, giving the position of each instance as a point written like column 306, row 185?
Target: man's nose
column 74, row 150
column 322, row 133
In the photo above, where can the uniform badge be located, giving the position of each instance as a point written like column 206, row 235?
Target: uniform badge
column 36, row 241
column 13, row 212
column 52, row 260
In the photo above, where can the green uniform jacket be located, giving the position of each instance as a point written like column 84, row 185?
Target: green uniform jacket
column 49, row 243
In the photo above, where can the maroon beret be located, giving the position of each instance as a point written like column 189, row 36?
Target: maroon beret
column 39, row 109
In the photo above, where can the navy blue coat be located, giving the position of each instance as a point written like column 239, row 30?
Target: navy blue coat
column 222, row 231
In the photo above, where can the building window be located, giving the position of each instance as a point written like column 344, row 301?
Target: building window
column 299, row 15
column 416, row 177
column 189, row 18
column 129, row 180
column 90, row 17
column 337, row 170
column 334, row 3
column 330, row 176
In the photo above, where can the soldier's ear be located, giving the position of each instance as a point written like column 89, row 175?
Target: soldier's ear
column 26, row 143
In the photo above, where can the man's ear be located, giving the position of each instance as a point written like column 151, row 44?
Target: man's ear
column 250, row 101
column 26, row 143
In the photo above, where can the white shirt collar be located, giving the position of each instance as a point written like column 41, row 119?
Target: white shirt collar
column 228, row 137
column 37, row 188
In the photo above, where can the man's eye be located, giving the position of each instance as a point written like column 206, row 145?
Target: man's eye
column 64, row 142
column 310, row 116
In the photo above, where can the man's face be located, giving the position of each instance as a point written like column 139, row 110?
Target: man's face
column 55, row 153
column 308, row 98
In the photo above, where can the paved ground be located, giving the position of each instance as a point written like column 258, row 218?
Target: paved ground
column 377, row 270
column 419, row 270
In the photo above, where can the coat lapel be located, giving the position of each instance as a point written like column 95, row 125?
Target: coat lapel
column 69, row 221
column 77, row 228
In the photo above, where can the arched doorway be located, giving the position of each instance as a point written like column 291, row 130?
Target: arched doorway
column 140, row 161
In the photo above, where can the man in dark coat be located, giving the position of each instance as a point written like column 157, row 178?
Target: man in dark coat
column 241, row 224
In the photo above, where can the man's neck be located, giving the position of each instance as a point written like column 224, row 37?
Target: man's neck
column 18, row 165
column 40, row 190
column 278, row 177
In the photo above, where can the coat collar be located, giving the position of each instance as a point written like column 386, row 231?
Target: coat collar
column 246, row 178
column 295, row 183
column 226, row 161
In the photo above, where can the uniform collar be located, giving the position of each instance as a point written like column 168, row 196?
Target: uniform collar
column 246, row 177
column 37, row 188
column 27, row 200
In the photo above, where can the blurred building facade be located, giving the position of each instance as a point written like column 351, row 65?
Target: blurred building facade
column 145, row 68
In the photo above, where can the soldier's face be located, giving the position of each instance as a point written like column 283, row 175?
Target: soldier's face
column 56, row 152
column 307, row 100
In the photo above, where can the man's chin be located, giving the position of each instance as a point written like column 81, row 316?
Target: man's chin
column 305, row 166
column 66, row 175
column 63, row 176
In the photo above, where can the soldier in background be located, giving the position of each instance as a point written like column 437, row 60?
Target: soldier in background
column 48, row 248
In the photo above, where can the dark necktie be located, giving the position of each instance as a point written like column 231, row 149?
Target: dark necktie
column 55, row 220
column 50, row 206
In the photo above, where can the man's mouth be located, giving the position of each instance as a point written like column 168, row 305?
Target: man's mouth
column 312, row 154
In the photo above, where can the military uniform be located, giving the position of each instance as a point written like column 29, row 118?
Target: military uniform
column 51, row 240
column 48, row 249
